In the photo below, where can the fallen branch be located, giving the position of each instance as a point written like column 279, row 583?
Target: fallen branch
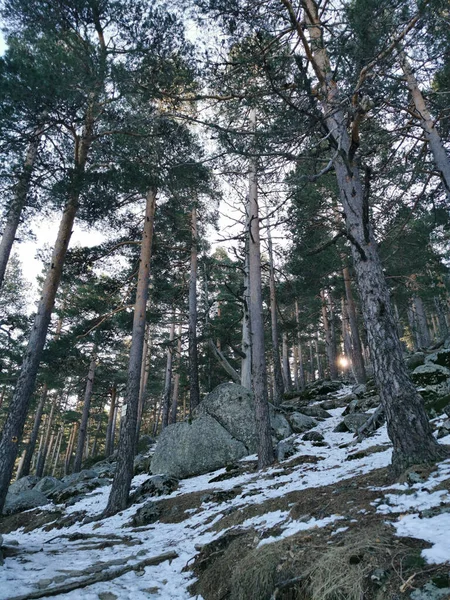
column 97, row 578
column 370, row 425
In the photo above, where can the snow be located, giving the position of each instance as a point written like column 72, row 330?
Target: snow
column 45, row 555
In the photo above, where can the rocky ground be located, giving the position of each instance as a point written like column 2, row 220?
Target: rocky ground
column 326, row 522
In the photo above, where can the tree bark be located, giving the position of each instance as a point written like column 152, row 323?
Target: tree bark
column 329, row 342
column 176, row 379
column 423, row 333
column 168, row 377
column 18, row 203
column 356, row 355
column 246, row 363
column 42, row 457
column 278, row 383
column 301, row 368
column 443, row 328
column 26, row 464
column 85, row 415
column 69, row 450
column 192, row 330
column 259, row 374
column 437, row 148
column 407, row 423
column 287, row 379
column 145, row 370
column 110, row 427
column 13, row 428
column 127, row 441
column 318, row 361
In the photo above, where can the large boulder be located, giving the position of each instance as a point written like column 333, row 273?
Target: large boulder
column 233, row 407
column 352, row 422
column 430, row 374
column 314, row 411
column 23, row 484
column 301, row 423
column 48, row 485
column 187, row 449
column 279, row 425
column 441, row 357
column 24, row 500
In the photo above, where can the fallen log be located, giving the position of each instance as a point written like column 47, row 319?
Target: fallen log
column 97, row 578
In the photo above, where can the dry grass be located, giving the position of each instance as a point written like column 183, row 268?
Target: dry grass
column 343, row 572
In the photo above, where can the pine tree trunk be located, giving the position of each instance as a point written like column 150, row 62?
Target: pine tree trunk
column 246, row 363
column 443, row 329
column 407, row 423
column 55, row 464
column 423, row 332
column 168, row 377
column 192, row 330
column 145, row 369
column 85, row 415
column 301, row 368
column 13, row 427
column 347, row 340
column 437, row 148
column 413, row 328
column 312, row 371
column 127, row 441
column 287, row 379
column 26, row 463
column 110, row 427
column 259, row 374
column 176, row 379
column 320, row 374
column 279, row 385
column 42, row 457
column 329, row 343
column 18, row 203
column 356, row 354
column 68, row 457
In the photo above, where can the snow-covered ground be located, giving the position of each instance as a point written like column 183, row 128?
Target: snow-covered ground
column 52, row 558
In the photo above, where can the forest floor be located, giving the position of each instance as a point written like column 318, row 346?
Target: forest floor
column 238, row 533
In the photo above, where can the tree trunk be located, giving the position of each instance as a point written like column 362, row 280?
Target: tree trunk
column 320, row 374
column 287, row 379
column 246, row 363
column 443, row 329
column 85, row 415
column 312, row 371
column 407, row 423
column 413, row 328
column 347, row 340
column 145, row 370
column 329, row 342
column 278, row 382
column 423, row 333
column 109, row 441
column 168, row 376
column 301, row 369
column 356, row 354
column 437, row 148
column 45, row 447
column 58, row 452
column 176, row 379
column 69, row 450
column 192, row 331
column 127, row 441
column 259, row 374
column 18, row 203
column 13, row 427
column 26, row 463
